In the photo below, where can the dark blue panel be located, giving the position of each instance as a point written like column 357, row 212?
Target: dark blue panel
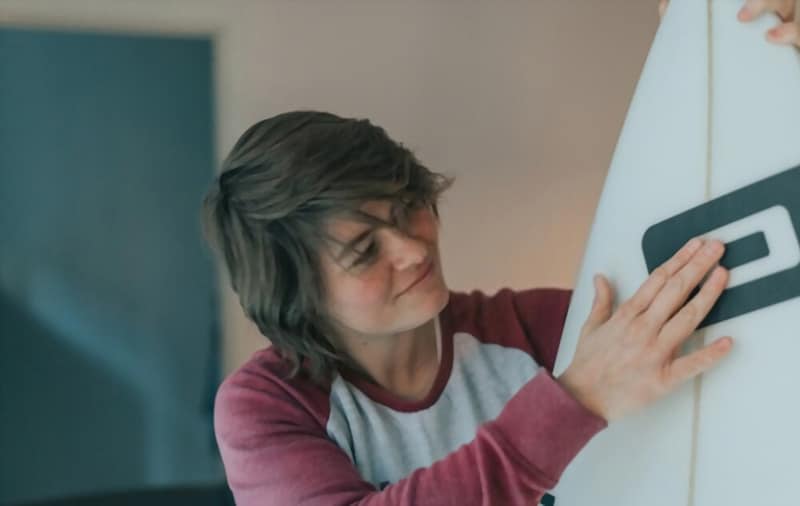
column 108, row 293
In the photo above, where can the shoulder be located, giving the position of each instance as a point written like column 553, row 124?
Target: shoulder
column 260, row 392
column 531, row 320
column 467, row 308
column 536, row 296
column 270, row 432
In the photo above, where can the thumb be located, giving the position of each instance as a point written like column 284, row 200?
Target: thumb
column 601, row 308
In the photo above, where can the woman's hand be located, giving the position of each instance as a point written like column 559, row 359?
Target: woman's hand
column 787, row 32
column 630, row 358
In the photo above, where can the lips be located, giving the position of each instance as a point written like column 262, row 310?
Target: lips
column 422, row 276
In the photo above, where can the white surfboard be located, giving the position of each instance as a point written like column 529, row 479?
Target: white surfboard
column 710, row 147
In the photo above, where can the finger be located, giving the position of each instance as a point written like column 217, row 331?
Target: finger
column 662, row 7
column 646, row 293
column 680, row 326
column 603, row 303
column 787, row 33
column 698, row 362
column 678, row 288
column 753, row 9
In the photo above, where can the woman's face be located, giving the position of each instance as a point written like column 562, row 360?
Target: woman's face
column 391, row 280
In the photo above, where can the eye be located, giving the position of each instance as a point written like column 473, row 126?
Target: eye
column 367, row 255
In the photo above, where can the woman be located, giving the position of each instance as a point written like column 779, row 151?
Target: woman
column 381, row 385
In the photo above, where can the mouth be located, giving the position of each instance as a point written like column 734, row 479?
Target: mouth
column 425, row 273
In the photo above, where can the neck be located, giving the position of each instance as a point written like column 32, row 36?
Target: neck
column 405, row 364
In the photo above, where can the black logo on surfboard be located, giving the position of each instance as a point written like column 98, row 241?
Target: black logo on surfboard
column 782, row 190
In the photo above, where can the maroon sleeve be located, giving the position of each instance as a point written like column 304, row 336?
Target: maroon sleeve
column 275, row 451
column 542, row 313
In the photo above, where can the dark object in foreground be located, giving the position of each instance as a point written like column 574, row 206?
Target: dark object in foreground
column 207, row 495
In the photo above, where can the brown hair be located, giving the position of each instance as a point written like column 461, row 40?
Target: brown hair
column 266, row 215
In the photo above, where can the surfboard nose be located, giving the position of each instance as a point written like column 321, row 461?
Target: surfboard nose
column 710, row 147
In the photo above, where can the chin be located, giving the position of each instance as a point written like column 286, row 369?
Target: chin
column 429, row 301
column 435, row 301
column 426, row 308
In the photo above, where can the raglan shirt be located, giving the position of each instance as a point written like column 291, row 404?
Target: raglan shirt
column 495, row 429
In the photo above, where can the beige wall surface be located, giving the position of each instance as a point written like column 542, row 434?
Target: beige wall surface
column 521, row 101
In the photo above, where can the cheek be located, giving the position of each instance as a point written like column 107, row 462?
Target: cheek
column 359, row 303
column 367, row 292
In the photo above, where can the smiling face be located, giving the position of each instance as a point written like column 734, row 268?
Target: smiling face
column 384, row 278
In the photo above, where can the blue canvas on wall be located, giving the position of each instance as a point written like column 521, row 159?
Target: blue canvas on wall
column 108, row 312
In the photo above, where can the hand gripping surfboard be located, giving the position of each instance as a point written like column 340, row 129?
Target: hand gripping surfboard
column 710, row 147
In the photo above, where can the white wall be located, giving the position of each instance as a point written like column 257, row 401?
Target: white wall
column 521, row 101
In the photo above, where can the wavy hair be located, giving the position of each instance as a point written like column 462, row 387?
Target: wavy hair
column 266, row 213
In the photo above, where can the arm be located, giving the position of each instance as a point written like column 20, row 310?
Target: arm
column 276, row 452
column 542, row 313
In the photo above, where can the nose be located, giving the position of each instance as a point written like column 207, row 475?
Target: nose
column 404, row 250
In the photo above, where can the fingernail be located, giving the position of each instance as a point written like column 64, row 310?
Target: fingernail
column 744, row 14
column 713, row 247
column 694, row 244
column 781, row 34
